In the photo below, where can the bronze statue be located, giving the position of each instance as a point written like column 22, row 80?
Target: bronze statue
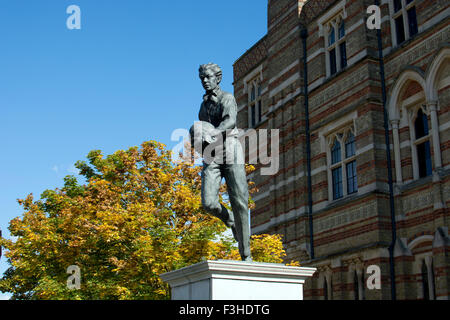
column 217, row 128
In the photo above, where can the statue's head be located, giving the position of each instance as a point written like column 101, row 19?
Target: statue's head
column 210, row 75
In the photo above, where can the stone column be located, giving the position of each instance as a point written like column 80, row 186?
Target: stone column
column 412, row 134
column 432, row 107
column 397, row 150
column 431, row 290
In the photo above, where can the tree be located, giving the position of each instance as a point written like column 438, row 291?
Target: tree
column 138, row 215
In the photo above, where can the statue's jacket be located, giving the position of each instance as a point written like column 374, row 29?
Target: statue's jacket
column 215, row 108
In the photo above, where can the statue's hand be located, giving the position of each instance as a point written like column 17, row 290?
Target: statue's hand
column 210, row 134
column 208, row 139
column 202, row 134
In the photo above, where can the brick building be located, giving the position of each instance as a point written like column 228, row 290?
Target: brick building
column 316, row 77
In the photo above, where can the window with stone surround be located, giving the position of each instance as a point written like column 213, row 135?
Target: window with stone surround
column 403, row 20
column 421, row 140
column 341, row 155
column 254, row 103
column 422, row 144
column 414, row 109
column 336, row 53
column 333, row 30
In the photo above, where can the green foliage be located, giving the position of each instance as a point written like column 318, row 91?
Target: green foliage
column 138, row 216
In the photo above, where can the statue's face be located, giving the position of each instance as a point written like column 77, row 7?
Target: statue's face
column 209, row 80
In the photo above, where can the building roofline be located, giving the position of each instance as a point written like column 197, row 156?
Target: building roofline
column 249, row 50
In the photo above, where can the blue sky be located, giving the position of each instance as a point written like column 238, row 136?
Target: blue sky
column 128, row 76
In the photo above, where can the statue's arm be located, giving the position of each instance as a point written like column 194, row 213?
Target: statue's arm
column 201, row 114
column 229, row 115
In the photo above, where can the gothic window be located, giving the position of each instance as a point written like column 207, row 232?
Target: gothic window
column 422, row 144
column 350, row 152
column 342, row 164
column 337, row 172
column 403, row 13
column 259, row 111
column 350, row 148
column 255, row 104
column 253, row 115
column 336, row 152
column 259, row 103
column 253, row 94
column 331, row 36
column 410, row 110
column 333, row 66
column 337, row 184
column 342, row 45
column 336, row 46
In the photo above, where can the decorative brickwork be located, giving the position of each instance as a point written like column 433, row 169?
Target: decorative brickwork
column 353, row 232
column 250, row 59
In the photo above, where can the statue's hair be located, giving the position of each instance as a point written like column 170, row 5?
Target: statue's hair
column 214, row 67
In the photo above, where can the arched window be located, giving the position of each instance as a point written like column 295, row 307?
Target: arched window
column 336, row 46
column 350, row 148
column 252, row 115
column 325, row 289
column 342, row 164
column 410, row 109
column 342, row 29
column 421, row 125
column 332, row 50
column 259, row 104
column 255, row 103
column 350, row 151
column 336, row 157
column 336, row 152
column 422, row 142
column 331, row 36
column 342, row 46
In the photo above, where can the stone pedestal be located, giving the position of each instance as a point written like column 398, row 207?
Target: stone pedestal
column 237, row 280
